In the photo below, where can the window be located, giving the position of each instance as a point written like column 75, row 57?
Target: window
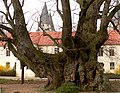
column 14, row 66
column 112, row 65
column 41, row 49
column 101, row 64
column 56, row 50
column 100, row 52
column 8, row 65
column 111, row 52
column 7, row 52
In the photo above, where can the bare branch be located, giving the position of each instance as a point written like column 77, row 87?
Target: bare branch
column 112, row 13
column 11, row 21
column 23, row 1
column 45, row 34
column 16, row 53
column 54, row 40
column 10, row 30
column 104, row 18
column 84, row 9
column 6, row 16
column 115, row 27
column 58, row 10
column 67, row 24
column 2, row 33
column 5, row 38
column 82, row 15
column 19, row 19
column 102, row 34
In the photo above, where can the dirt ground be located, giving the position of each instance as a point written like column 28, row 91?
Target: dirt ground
column 116, row 85
column 35, row 86
column 28, row 87
column 18, row 88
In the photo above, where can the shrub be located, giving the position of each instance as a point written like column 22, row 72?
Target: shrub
column 6, row 71
column 2, row 68
column 11, row 72
column 112, row 75
column 117, row 71
column 67, row 88
column 3, row 81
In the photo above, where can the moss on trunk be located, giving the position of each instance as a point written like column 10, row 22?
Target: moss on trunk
column 55, row 80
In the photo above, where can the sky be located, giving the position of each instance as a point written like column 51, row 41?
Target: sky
column 32, row 10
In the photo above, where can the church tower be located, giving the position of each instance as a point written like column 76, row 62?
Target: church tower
column 46, row 21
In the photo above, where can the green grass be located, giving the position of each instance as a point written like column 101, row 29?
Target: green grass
column 112, row 76
column 11, row 72
column 4, row 81
column 68, row 88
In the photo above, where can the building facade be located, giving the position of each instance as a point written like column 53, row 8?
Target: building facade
column 109, row 53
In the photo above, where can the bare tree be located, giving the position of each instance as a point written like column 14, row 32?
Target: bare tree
column 80, row 49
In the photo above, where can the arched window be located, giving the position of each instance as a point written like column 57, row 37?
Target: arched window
column 8, row 65
column 111, row 51
column 112, row 65
column 56, row 50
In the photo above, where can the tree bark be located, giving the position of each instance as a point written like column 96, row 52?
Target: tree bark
column 55, row 80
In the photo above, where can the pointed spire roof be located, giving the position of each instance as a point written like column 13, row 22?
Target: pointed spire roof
column 46, row 18
column 51, row 22
column 44, row 15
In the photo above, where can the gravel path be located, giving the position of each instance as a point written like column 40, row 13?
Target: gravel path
column 34, row 88
column 18, row 88
column 24, row 88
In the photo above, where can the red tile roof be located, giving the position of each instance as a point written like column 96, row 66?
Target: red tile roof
column 114, row 38
column 39, row 39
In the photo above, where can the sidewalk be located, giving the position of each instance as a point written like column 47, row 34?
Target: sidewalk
column 36, row 78
column 19, row 78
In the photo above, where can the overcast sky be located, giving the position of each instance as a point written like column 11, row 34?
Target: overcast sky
column 32, row 10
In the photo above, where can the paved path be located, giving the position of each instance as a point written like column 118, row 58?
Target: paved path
column 36, row 78
column 18, row 78
column 18, row 88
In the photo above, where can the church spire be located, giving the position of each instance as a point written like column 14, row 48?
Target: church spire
column 46, row 19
